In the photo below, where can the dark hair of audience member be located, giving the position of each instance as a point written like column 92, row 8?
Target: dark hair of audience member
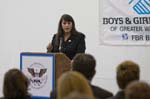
column 15, row 85
column 84, row 63
column 138, row 90
column 127, row 72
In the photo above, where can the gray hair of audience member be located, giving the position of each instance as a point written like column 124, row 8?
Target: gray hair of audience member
column 127, row 72
column 73, row 81
column 137, row 90
column 85, row 64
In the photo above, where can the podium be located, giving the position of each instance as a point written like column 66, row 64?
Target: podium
column 62, row 64
column 43, row 70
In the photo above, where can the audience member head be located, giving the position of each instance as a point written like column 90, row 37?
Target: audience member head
column 137, row 90
column 73, row 81
column 85, row 64
column 76, row 95
column 15, row 85
column 127, row 72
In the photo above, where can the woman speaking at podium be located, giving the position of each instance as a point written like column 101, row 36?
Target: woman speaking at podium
column 67, row 40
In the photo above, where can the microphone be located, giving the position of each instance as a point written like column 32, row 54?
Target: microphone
column 60, row 43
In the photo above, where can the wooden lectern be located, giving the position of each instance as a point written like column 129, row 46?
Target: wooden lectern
column 62, row 64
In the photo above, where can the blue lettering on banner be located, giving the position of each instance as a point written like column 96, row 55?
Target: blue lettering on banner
column 125, row 36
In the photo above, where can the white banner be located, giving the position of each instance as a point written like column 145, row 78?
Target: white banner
column 125, row 22
column 39, row 68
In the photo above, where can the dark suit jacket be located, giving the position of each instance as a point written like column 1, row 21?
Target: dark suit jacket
column 74, row 44
column 98, row 92
column 119, row 95
column 101, row 93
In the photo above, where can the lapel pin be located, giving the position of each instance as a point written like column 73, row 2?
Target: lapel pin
column 69, row 40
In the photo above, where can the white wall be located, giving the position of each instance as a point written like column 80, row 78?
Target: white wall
column 28, row 26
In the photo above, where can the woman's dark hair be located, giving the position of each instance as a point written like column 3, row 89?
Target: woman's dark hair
column 60, row 32
column 66, row 17
column 15, row 85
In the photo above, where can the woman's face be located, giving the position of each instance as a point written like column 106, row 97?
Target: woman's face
column 66, row 25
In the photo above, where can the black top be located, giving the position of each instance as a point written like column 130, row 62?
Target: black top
column 74, row 44
column 119, row 95
column 100, row 93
